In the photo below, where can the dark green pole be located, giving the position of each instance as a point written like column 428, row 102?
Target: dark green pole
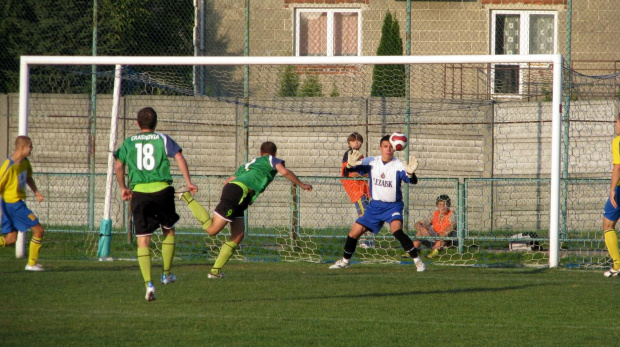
column 566, row 119
column 93, row 127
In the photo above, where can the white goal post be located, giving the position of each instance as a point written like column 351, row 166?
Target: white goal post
column 556, row 59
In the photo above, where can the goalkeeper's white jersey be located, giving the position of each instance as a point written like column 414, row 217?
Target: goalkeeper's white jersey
column 385, row 178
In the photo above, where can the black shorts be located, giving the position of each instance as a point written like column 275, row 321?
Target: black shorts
column 150, row 210
column 233, row 203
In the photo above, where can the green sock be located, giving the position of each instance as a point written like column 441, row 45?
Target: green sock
column 225, row 253
column 199, row 212
column 144, row 259
column 611, row 241
column 35, row 246
column 167, row 251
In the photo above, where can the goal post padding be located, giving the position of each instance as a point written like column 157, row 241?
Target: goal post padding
column 306, row 64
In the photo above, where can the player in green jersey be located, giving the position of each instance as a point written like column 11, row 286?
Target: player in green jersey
column 152, row 196
column 240, row 190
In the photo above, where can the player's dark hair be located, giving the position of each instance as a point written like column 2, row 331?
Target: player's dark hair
column 384, row 138
column 355, row 137
column 147, row 118
column 268, row 147
column 22, row 141
column 445, row 198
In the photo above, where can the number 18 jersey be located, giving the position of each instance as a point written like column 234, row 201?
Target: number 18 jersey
column 146, row 155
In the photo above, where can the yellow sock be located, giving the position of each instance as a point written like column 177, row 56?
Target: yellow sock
column 144, row 259
column 225, row 253
column 167, row 251
column 199, row 212
column 2, row 243
column 35, row 246
column 611, row 241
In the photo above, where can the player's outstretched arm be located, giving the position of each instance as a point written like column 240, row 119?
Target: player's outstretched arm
column 182, row 164
column 292, row 177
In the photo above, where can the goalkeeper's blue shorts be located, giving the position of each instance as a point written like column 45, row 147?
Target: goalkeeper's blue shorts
column 17, row 217
column 379, row 212
column 611, row 213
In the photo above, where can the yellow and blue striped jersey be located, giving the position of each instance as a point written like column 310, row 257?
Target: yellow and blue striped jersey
column 13, row 179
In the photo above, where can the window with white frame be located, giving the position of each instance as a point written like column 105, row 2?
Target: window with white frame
column 520, row 32
column 328, row 32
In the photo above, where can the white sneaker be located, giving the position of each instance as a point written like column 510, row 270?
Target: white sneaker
column 150, row 292
column 340, row 264
column 178, row 193
column 35, row 267
column 419, row 264
column 168, row 279
column 611, row 273
column 212, row 276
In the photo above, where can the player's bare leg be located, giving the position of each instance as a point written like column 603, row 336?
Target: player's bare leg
column 8, row 239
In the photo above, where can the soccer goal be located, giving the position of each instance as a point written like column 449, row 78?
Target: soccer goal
column 486, row 130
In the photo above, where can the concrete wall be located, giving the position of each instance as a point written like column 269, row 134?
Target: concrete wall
column 482, row 142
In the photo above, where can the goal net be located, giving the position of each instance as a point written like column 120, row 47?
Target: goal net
column 485, row 129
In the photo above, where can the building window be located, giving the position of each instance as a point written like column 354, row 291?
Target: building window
column 328, row 32
column 520, row 32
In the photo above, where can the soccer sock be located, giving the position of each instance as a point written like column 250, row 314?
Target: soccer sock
column 349, row 247
column 225, row 253
column 144, row 259
column 35, row 246
column 199, row 212
column 406, row 243
column 2, row 243
column 611, row 241
column 167, row 251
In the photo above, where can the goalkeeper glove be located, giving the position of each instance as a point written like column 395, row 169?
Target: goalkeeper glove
column 412, row 166
column 354, row 158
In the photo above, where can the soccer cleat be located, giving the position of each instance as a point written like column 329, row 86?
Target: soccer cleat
column 611, row 273
column 367, row 244
column 35, row 267
column 340, row 264
column 168, row 279
column 179, row 193
column 212, row 275
column 419, row 264
column 433, row 254
column 150, row 292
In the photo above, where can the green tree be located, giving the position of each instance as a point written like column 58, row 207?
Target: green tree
column 289, row 81
column 42, row 27
column 65, row 27
column 311, row 87
column 389, row 80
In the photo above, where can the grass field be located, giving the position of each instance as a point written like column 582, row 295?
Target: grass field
column 90, row 303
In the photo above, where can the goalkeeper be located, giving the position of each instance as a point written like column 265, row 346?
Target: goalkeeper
column 240, row 190
column 386, row 174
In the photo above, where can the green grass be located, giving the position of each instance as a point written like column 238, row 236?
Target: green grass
column 90, row 303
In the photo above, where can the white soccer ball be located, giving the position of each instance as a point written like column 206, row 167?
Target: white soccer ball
column 399, row 141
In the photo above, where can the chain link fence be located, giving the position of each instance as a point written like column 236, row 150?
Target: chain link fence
column 490, row 102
